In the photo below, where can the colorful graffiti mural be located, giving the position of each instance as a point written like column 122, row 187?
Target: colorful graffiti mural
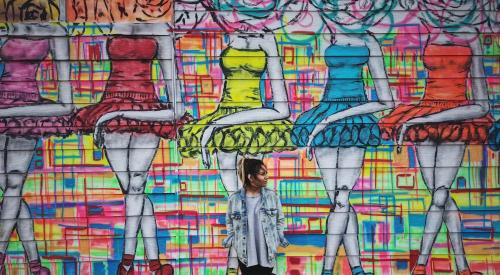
column 121, row 123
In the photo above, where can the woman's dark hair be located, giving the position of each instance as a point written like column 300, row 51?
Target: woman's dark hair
column 248, row 167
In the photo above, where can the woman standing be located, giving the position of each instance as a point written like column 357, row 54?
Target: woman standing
column 25, row 116
column 130, row 119
column 255, row 221
column 445, row 120
column 341, row 126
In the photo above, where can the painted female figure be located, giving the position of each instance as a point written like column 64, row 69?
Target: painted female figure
column 445, row 120
column 241, row 125
column 130, row 119
column 255, row 220
column 341, row 126
column 25, row 117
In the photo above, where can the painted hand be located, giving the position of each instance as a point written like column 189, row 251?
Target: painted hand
column 405, row 127
column 205, row 138
column 309, row 148
column 402, row 133
column 99, row 127
column 401, row 136
column 99, row 136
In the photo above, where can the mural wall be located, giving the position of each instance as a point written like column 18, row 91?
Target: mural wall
column 121, row 122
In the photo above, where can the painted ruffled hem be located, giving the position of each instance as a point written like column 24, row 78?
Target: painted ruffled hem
column 246, row 139
column 164, row 129
column 339, row 135
column 473, row 131
column 35, row 127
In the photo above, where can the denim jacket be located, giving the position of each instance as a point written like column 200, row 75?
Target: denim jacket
column 271, row 217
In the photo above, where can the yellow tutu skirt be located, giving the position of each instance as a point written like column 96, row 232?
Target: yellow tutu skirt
column 252, row 138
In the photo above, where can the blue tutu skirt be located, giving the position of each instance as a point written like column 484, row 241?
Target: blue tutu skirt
column 359, row 131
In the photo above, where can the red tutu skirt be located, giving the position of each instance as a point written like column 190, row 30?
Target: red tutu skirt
column 85, row 118
column 474, row 131
column 32, row 126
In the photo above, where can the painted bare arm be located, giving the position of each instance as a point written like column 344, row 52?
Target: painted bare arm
column 280, row 110
column 385, row 100
column 480, row 106
column 167, row 58
column 59, row 46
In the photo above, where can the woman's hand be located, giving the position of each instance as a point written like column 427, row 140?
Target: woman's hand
column 205, row 138
column 228, row 242
column 99, row 127
column 284, row 242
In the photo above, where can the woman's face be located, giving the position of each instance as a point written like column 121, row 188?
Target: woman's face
column 260, row 179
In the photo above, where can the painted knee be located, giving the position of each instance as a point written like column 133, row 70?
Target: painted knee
column 342, row 200
column 137, row 183
column 440, row 197
column 148, row 207
column 3, row 181
column 14, row 184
